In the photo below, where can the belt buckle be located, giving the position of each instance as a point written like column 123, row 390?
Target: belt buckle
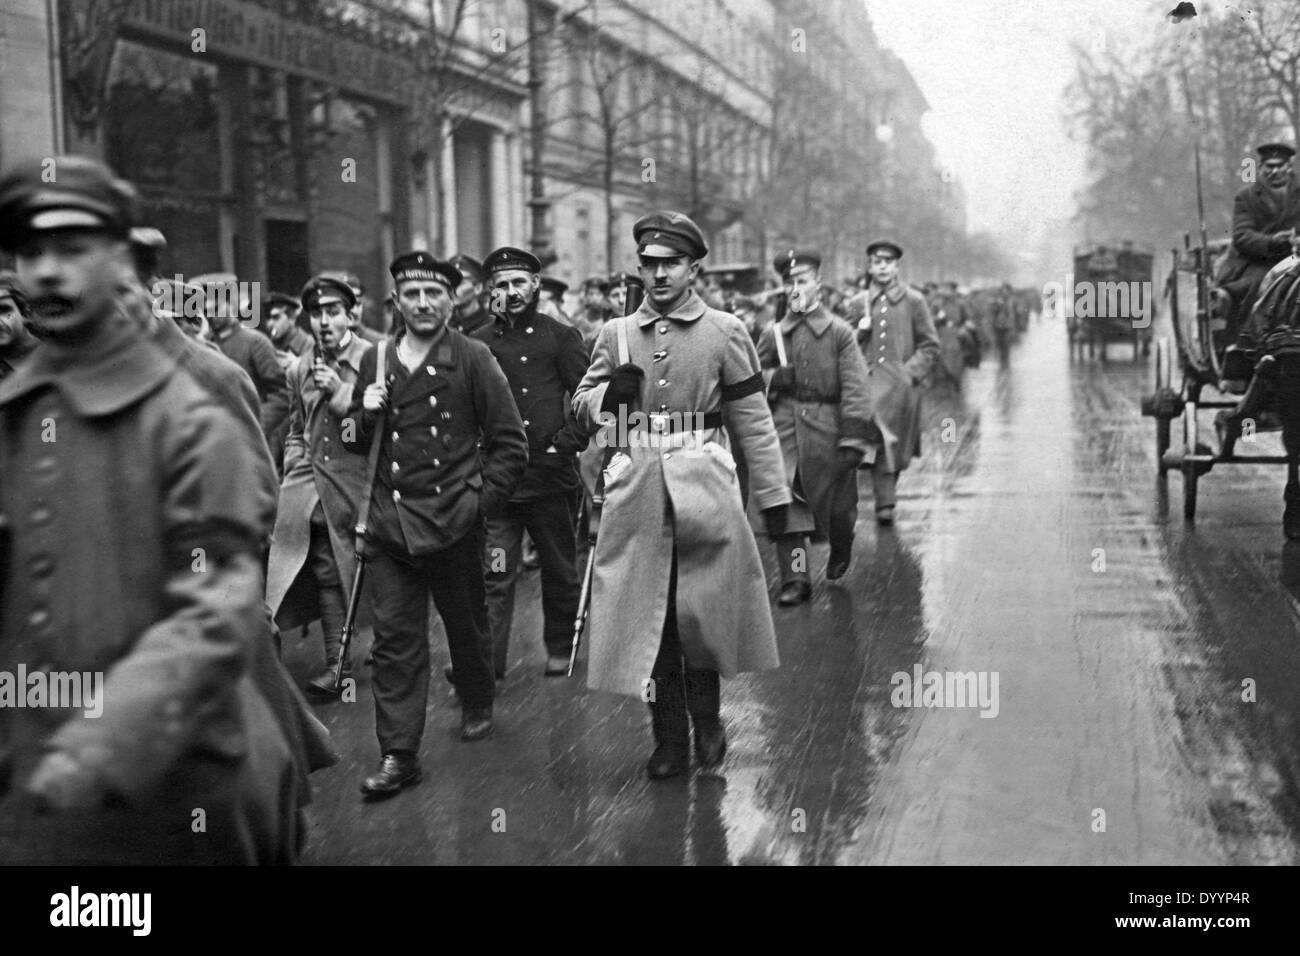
column 660, row 422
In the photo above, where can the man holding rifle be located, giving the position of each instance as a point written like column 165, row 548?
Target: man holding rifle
column 678, row 595
column 451, row 447
column 312, row 559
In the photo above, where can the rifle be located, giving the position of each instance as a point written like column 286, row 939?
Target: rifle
column 363, row 515
column 635, row 295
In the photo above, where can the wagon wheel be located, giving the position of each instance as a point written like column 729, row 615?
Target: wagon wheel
column 1191, row 471
column 1162, row 383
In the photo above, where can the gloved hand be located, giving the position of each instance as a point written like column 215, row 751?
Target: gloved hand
column 776, row 519
column 849, row 458
column 624, row 387
column 782, row 381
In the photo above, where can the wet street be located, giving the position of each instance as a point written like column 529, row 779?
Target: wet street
column 1035, row 544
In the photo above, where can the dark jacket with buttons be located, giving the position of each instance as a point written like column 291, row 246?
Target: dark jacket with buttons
column 452, row 446
column 542, row 359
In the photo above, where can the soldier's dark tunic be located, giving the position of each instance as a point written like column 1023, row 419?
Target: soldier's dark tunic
column 433, row 487
column 543, row 360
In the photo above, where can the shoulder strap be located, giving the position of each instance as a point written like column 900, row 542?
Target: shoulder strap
column 372, row 459
column 780, row 344
column 624, row 353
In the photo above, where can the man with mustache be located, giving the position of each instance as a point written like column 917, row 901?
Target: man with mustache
column 451, row 448
column 543, row 360
column 312, row 559
column 679, row 598
column 821, row 404
column 129, row 546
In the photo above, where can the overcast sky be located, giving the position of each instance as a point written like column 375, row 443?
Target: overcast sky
column 993, row 72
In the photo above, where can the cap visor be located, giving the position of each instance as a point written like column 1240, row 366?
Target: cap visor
column 660, row 252
column 52, row 219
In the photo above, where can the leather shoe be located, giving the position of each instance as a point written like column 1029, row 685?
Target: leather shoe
column 710, row 743
column 794, row 592
column 668, row 760
column 476, row 724
column 395, row 772
column 557, row 665
column 322, row 685
column 837, row 569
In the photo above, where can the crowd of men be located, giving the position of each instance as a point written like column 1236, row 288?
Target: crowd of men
column 179, row 486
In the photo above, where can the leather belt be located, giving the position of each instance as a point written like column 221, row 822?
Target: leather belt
column 667, row 423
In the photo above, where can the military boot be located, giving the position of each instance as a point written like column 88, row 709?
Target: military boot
column 703, row 700
column 668, row 718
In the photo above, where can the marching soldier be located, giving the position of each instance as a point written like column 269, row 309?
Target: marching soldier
column 250, row 350
column 312, row 556
column 550, row 299
column 128, row 548
column 442, row 398
column 282, row 328
column 820, row 398
column 470, row 315
column 899, row 344
column 678, row 591
column 16, row 340
column 543, row 360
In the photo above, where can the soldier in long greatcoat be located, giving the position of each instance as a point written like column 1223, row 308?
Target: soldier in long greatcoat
column 313, row 561
column 679, row 596
column 821, row 405
column 899, row 343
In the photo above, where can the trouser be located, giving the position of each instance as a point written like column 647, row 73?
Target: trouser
column 552, row 524
column 884, row 485
column 678, row 689
column 329, row 586
column 400, row 586
column 839, row 518
column 1003, row 339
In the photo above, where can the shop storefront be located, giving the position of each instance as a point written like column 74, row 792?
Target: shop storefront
column 262, row 143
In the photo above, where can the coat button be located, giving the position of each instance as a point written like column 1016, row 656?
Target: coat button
column 433, row 430
column 437, row 489
column 397, row 495
column 436, row 463
column 663, row 382
column 525, row 423
column 529, row 330
column 663, row 408
column 431, row 370
column 395, row 436
column 524, row 390
column 667, row 455
column 40, row 515
column 433, row 401
column 663, row 329
column 523, row 358
column 396, row 468
column 38, row 618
